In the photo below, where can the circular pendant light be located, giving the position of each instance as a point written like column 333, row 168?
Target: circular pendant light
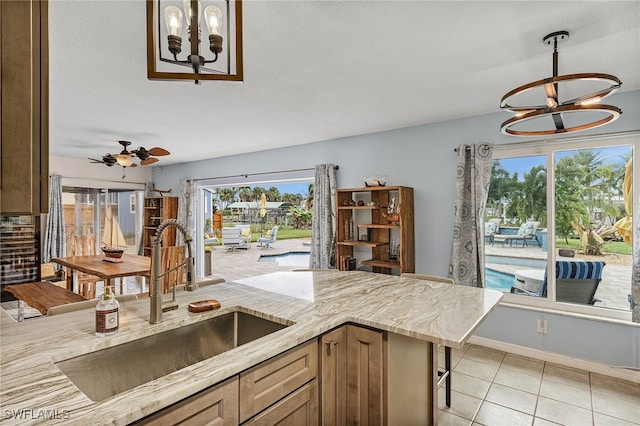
column 554, row 116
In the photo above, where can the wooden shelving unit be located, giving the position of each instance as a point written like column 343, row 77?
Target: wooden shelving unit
column 367, row 226
column 156, row 211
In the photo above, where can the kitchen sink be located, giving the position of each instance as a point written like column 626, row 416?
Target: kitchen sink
column 108, row 372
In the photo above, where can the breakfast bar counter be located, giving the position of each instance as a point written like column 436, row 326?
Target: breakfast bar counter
column 34, row 391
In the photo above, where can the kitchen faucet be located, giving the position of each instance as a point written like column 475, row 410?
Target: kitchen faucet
column 155, row 291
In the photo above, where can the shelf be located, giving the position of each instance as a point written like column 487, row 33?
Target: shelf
column 389, row 264
column 358, row 207
column 378, row 226
column 362, row 243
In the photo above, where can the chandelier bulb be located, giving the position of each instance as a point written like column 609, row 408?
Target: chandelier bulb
column 213, row 18
column 173, row 20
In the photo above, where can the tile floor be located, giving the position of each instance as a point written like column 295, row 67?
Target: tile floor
column 495, row 388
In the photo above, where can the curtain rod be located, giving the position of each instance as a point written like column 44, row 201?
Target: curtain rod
column 566, row 139
column 102, row 180
column 246, row 175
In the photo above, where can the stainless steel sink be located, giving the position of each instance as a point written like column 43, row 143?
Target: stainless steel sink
column 108, row 372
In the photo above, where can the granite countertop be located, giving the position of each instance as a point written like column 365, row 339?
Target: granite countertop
column 314, row 301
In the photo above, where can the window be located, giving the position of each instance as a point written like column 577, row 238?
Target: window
column 553, row 240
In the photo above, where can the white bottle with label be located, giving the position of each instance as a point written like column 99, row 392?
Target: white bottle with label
column 107, row 314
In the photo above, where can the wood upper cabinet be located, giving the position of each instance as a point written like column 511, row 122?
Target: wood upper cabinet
column 353, row 376
column 25, row 107
column 363, row 223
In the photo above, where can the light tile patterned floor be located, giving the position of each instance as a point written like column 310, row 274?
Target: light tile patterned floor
column 494, row 388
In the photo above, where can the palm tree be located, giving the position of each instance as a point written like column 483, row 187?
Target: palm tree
column 528, row 198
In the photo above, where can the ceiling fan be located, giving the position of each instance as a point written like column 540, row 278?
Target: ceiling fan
column 125, row 158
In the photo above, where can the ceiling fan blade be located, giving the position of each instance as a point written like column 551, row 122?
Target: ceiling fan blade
column 159, row 152
column 93, row 160
column 149, row 161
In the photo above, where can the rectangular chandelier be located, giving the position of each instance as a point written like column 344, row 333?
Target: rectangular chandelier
column 216, row 52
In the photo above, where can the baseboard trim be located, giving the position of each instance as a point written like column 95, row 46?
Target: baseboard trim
column 567, row 361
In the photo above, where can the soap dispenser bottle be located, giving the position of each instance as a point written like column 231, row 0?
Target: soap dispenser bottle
column 107, row 314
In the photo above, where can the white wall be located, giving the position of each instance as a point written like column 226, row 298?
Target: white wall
column 422, row 157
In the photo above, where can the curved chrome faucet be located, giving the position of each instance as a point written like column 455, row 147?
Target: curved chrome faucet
column 155, row 291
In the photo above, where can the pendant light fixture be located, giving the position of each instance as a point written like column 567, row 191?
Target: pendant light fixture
column 169, row 22
column 556, row 116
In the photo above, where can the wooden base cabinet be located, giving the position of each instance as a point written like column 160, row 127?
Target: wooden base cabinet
column 371, row 377
column 217, row 405
column 352, row 374
column 298, row 409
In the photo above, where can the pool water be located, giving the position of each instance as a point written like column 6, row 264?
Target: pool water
column 292, row 258
column 497, row 280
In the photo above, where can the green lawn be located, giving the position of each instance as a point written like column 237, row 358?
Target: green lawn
column 617, row 247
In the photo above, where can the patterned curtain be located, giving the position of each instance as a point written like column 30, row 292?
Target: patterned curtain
column 324, row 213
column 187, row 208
column 472, row 188
column 55, row 243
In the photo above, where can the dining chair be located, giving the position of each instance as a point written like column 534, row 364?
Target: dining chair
column 84, row 245
column 444, row 375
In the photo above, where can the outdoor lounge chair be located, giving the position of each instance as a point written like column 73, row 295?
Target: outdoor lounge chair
column 576, row 282
column 266, row 241
column 491, row 229
column 526, row 233
column 232, row 239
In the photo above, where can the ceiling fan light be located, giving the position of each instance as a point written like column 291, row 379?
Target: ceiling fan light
column 551, row 103
column 125, row 160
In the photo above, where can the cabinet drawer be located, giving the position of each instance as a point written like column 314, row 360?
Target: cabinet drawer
column 270, row 381
column 214, row 406
column 299, row 408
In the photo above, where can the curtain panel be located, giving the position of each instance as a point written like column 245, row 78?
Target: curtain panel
column 187, row 209
column 472, row 187
column 635, row 274
column 55, row 243
column 324, row 214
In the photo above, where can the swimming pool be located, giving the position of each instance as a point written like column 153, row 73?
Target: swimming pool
column 292, row 258
column 500, row 281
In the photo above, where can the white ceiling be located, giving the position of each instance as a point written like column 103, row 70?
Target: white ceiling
column 318, row 70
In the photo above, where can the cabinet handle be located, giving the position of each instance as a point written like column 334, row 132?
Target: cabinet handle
column 330, row 344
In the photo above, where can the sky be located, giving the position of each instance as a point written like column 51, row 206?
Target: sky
column 522, row 165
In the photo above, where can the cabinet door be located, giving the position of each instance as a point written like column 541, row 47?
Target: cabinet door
column 333, row 373
column 266, row 383
column 298, row 409
column 24, row 109
column 366, row 397
column 217, row 406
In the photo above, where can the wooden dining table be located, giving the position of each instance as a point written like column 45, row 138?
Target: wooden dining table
column 129, row 265
column 41, row 296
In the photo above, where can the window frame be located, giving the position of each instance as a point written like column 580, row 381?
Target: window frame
column 548, row 148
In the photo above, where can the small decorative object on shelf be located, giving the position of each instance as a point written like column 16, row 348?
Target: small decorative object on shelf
column 393, row 211
column 376, row 180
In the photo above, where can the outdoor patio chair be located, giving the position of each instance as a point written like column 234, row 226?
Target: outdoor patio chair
column 576, row 282
column 444, row 375
column 526, row 233
column 266, row 241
